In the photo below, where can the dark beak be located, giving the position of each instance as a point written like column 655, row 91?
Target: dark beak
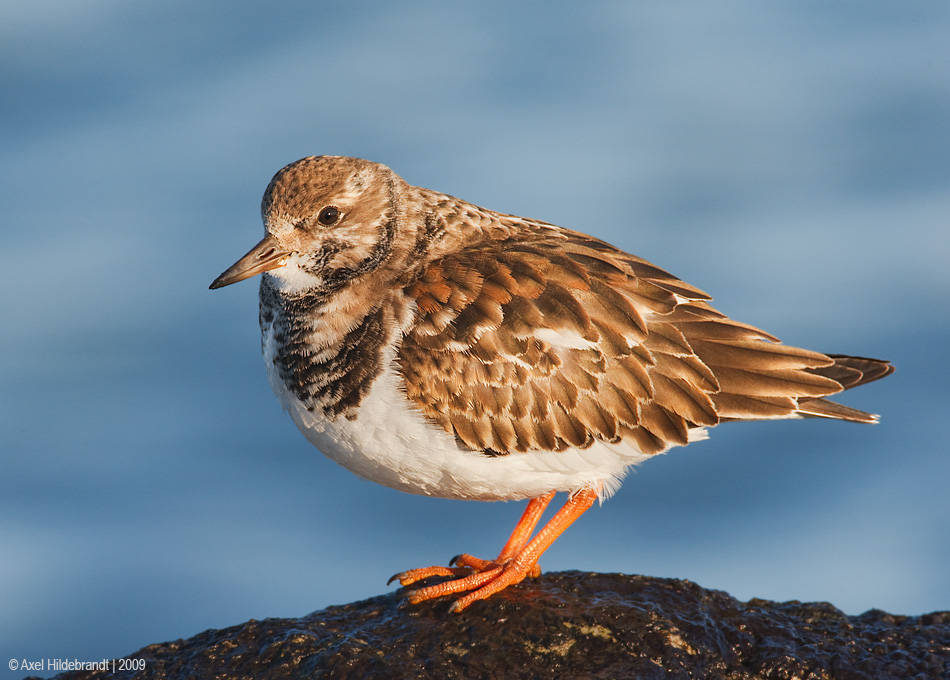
column 263, row 257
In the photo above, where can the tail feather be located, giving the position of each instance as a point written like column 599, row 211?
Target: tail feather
column 822, row 408
column 855, row 371
column 849, row 372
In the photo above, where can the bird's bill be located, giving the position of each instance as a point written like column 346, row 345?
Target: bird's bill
column 263, row 257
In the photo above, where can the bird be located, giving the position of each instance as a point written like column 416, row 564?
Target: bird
column 448, row 350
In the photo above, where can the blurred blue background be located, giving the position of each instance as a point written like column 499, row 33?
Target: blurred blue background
column 792, row 159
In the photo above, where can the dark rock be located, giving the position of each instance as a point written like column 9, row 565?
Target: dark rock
column 566, row 625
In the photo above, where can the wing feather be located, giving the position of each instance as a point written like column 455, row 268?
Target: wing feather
column 546, row 339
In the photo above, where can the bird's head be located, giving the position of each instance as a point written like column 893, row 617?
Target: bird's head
column 328, row 219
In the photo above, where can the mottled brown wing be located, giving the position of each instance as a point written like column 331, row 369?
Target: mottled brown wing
column 552, row 339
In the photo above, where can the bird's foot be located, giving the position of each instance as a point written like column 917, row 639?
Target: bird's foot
column 518, row 559
column 479, row 565
column 483, row 577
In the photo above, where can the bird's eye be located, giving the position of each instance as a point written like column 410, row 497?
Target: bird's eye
column 329, row 216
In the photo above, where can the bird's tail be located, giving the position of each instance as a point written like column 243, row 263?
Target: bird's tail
column 849, row 372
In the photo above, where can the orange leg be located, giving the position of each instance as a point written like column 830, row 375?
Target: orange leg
column 517, row 541
column 517, row 560
column 463, row 565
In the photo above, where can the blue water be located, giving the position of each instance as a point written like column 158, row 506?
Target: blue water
column 792, row 160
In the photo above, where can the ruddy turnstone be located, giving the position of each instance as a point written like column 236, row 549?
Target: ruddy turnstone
column 448, row 350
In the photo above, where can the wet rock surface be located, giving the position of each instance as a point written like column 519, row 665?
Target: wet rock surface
column 565, row 625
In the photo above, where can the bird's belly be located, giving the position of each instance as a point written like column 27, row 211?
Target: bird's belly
column 392, row 443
